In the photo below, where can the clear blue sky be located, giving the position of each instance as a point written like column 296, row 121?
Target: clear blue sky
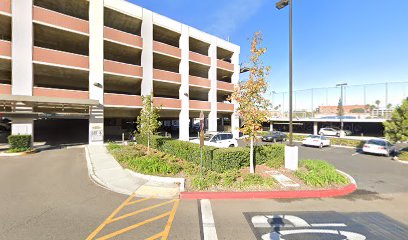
column 353, row 41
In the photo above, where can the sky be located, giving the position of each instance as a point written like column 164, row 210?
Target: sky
column 334, row 41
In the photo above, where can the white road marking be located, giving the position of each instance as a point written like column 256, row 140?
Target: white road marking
column 328, row 225
column 354, row 154
column 277, row 236
column 207, row 218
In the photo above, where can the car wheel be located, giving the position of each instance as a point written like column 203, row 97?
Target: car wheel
column 321, row 145
column 232, row 145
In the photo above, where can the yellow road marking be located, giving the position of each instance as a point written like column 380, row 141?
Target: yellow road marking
column 140, row 211
column 170, row 221
column 138, row 201
column 104, row 223
column 155, row 236
column 111, row 235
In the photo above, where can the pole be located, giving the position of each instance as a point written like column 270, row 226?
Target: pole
column 290, row 76
column 386, row 94
column 312, row 104
column 365, row 99
column 341, row 109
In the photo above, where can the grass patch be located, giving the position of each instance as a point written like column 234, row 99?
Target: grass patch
column 319, row 173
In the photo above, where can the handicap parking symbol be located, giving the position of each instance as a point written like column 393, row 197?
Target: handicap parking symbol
column 285, row 225
column 326, row 225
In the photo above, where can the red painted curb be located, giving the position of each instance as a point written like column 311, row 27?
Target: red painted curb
column 272, row 194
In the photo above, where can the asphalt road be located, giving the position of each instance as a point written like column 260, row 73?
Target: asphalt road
column 49, row 196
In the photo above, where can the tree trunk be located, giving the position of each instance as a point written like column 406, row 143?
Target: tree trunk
column 148, row 143
column 251, row 157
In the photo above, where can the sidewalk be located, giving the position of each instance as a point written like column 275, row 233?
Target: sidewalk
column 108, row 173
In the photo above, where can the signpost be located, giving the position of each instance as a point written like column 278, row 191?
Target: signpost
column 201, row 142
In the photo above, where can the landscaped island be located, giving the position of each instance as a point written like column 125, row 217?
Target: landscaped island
column 224, row 169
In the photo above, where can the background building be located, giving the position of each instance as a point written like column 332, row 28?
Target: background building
column 76, row 69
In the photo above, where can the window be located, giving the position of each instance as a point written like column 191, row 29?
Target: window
column 226, row 136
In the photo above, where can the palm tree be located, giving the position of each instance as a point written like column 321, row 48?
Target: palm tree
column 378, row 103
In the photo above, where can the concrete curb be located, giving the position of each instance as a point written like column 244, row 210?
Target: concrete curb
column 98, row 181
column 179, row 181
column 276, row 194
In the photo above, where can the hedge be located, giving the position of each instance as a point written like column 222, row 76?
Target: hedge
column 19, row 143
column 217, row 159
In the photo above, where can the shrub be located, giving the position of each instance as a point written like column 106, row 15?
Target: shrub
column 347, row 142
column 152, row 164
column 19, row 143
column 230, row 158
column 185, row 150
column 319, row 173
column 273, row 155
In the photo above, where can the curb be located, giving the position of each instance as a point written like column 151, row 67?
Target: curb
column 179, row 181
column 99, row 182
column 276, row 194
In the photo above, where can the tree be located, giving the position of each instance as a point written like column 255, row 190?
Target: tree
column 253, row 107
column 148, row 120
column 377, row 102
column 396, row 129
column 357, row 110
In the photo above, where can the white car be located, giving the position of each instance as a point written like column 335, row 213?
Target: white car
column 379, row 146
column 218, row 139
column 329, row 132
column 316, row 141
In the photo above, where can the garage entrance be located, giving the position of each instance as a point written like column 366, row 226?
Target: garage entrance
column 61, row 131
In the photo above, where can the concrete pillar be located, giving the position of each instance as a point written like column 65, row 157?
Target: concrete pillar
column 184, row 133
column 96, row 83
column 235, row 80
column 147, row 52
column 271, row 126
column 22, row 48
column 21, row 63
column 212, row 94
column 315, row 130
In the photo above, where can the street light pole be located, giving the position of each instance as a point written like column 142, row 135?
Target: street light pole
column 291, row 151
column 341, row 85
column 290, row 77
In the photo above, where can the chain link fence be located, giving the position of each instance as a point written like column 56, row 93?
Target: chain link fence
column 377, row 100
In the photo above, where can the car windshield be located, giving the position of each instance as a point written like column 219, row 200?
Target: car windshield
column 314, row 136
column 376, row 142
column 207, row 137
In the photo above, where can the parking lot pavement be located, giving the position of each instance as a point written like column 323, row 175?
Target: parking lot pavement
column 49, row 196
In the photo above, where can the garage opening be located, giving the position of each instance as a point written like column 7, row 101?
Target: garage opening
column 61, row 131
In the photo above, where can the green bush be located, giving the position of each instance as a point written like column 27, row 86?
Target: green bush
column 273, row 155
column 185, row 150
column 218, row 159
column 319, row 173
column 19, row 143
column 230, row 158
column 152, row 164
column 256, row 180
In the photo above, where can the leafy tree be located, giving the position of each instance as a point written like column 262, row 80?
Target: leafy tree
column 253, row 107
column 396, row 129
column 389, row 106
column 148, row 120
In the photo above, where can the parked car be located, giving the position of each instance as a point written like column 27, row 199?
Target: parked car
column 316, row 141
column 379, row 146
column 274, row 136
column 346, row 132
column 329, row 132
column 218, row 139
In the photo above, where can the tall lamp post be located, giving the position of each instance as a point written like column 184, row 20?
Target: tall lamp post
column 341, row 85
column 291, row 151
